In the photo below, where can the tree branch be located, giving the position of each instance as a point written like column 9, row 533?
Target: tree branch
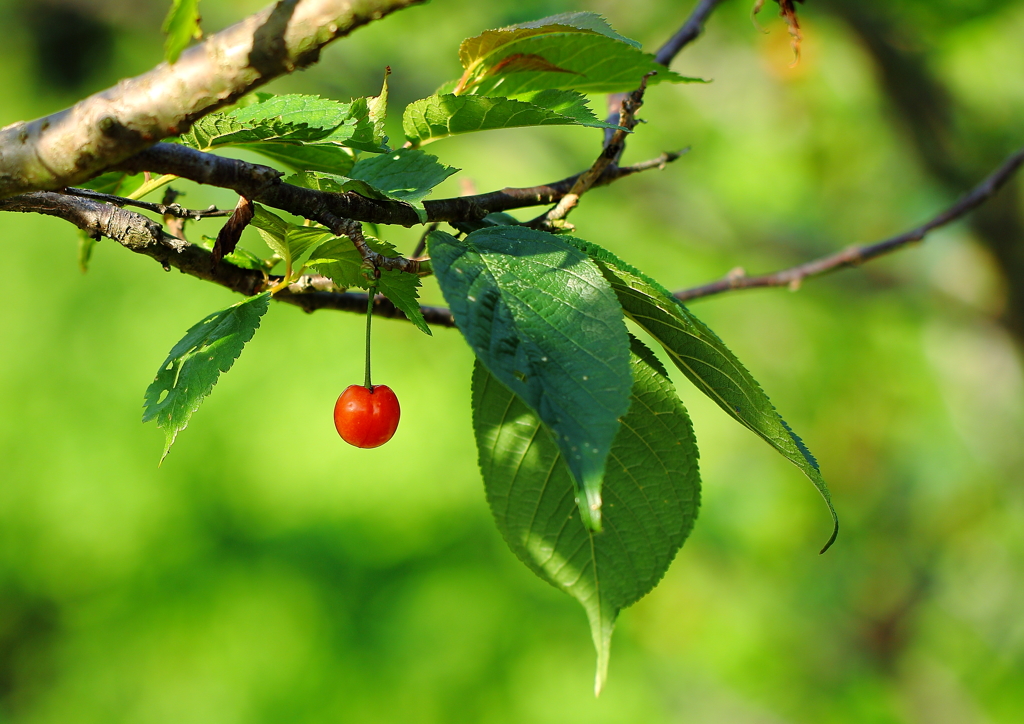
column 690, row 31
column 172, row 209
column 631, row 103
column 263, row 184
column 144, row 236
column 73, row 145
column 857, row 255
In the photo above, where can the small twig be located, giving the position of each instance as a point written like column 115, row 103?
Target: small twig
column 609, row 154
column 690, row 31
column 175, row 225
column 354, row 231
column 857, row 255
column 421, row 246
column 164, row 209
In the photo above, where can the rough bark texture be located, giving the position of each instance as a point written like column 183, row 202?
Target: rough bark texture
column 73, row 145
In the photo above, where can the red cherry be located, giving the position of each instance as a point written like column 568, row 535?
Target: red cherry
column 367, row 417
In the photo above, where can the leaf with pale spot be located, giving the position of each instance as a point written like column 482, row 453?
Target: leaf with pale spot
column 543, row 320
column 196, row 362
column 651, row 490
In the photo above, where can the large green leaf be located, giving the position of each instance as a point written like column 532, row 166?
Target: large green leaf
column 543, row 320
column 196, row 362
column 181, row 25
column 651, row 491
column 440, row 116
column 571, row 51
column 706, row 361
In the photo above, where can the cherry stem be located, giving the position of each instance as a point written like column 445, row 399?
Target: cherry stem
column 369, row 317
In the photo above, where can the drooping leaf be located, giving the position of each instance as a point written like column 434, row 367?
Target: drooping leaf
column 181, row 25
column 86, row 243
column 543, row 320
column 196, row 362
column 272, row 229
column 436, row 117
column 651, row 491
column 338, row 259
column 707, row 362
column 576, row 51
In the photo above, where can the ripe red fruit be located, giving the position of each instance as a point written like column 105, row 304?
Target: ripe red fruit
column 367, row 417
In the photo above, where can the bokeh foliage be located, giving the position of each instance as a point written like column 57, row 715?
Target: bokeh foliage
column 268, row 573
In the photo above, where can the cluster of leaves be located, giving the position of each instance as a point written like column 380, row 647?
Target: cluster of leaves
column 587, row 453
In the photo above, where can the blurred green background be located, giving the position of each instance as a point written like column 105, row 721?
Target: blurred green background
column 268, row 573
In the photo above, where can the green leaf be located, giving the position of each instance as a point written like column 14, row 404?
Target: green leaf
column 196, row 362
column 279, row 126
column 570, row 51
column 181, row 25
column 117, row 183
column 338, row 259
column 86, row 243
column 651, row 490
column 406, row 174
column 543, row 320
column 706, row 361
column 446, row 115
column 325, row 157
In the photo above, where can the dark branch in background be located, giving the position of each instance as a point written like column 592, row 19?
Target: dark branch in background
column 144, row 236
column 954, row 148
column 690, row 31
column 857, row 255
column 73, row 145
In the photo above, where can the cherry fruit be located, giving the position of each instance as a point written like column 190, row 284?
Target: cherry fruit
column 367, row 416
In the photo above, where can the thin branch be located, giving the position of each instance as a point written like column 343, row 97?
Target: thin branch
column 165, row 209
column 857, row 255
column 609, row 154
column 690, row 31
column 68, row 147
column 354, row 231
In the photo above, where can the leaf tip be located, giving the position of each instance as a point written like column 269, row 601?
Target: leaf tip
column 835, row 531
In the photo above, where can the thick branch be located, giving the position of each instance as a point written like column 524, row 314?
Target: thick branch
column 144, row 236
column 66, row 148
column 857, row 255
column 263, row 184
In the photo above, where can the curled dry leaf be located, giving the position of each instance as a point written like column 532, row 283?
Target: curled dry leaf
column 231, row 232
column 788, row 11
